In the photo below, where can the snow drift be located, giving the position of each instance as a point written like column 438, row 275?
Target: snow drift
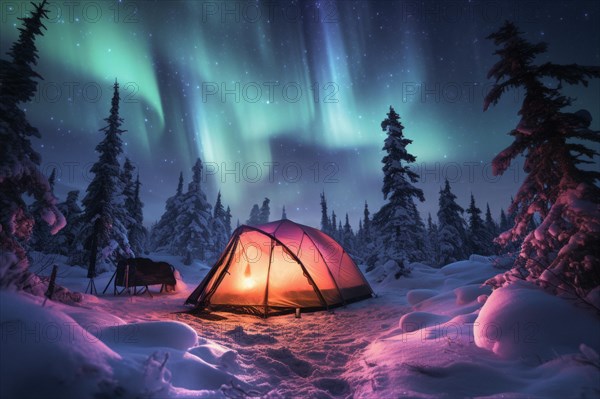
column 522, row 321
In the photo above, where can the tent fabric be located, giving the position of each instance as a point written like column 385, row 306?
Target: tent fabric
column 277, row 267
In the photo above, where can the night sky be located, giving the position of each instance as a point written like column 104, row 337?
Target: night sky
column 285, row 100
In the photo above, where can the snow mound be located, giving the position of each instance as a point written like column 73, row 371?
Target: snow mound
column 193, row 373
column 416, row 296
column 166, row 334
column 386, row 273
column 81, row 352
column 413, row 321
column 523, row 321
column 215, row 354
column 480, row 258
column 44, row 350
column 470, row 293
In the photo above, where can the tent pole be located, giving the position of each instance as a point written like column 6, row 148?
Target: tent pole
column 109, row 281
column 266, row 301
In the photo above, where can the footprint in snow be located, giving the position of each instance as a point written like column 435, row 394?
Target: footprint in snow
column 334, row 386
column 337, row 357
column 316, row 355
column 298, row 366
column 243, row 338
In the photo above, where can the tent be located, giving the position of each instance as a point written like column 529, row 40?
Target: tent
column 278, row 267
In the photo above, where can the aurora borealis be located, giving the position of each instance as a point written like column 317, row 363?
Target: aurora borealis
column 285, row 99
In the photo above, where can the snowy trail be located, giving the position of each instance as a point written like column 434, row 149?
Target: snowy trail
column 287, row 357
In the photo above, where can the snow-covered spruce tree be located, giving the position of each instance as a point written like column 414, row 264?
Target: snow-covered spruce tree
column 161, row 237
column 477, row 233
column 333, row 231
column 19, row 162
column 265, row 211
column 325, row 221
column 283, row 214
column 363, row 239
column 490, row 223
column 503, row 225
column 400, row 230
column 433, row 242
column 133, row 206
column 562, row 253
column 128, row 186
column 366, row 227
column 62, row 243
column 420, row 245
column 359, row 236
column 41, row 237
column 102, row 204
column 220, row 235
column 452, row 238
column 137, row 233
column 228, row 221
column 254, row 219
column 348, row 239
column 491, row 228
column 192, row 235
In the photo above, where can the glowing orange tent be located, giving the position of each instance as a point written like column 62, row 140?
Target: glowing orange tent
column 278, row 267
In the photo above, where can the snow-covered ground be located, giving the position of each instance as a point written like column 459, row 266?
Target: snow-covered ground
column 436, row 333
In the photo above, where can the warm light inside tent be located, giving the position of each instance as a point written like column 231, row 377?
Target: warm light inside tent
column 248, row 282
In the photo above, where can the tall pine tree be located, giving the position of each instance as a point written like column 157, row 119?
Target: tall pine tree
column 479, row 238
column 19, row 162
column 219, row 226
column 228, row 221
column 41, row 236
column 333, row 229
column 128, row 185
column 137, row 233
column 161, row 238
column 491, row 228
column 63, row 242
column 103, row 204
column 325, row 221
column 133, row 220
column 504, row 224
column 366, row 226
column 401, row 233
column 433, row 241
column 452, row 237
column 265, row 211
column 254, row 219
column 192, row 238
column 348, row 240
column 562, row 252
